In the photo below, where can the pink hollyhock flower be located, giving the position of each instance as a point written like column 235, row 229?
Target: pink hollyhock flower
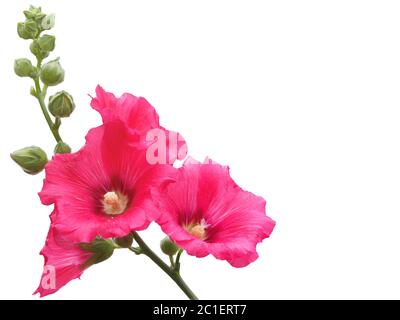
column 139, row 115
column 103, row 189
column 63, row 262
column 205, row 212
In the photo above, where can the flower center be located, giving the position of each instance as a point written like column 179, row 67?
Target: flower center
column 114, row 203
column 198, row 230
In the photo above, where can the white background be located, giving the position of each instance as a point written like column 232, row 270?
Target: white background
column 300, row 98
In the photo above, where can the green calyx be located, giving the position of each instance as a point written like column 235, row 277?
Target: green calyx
column 42, row 46
column 61, row 104
column 28, row 29
column 48, row 22
column 47, row 42
column 62, row 147
column 31, row 159
column 102, row 249
column 34, row 13
column 124, row 242
column 23, row 68
column 37, row 51
column 169, row 247
column 52, row 73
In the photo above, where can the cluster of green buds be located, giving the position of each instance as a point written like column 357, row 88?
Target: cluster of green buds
column 44, row 75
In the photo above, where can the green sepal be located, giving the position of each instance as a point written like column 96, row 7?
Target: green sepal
column 37, row 51
column 47, row 42
column 31, row 159
column 169, row 247
column 102, row 249
column 124, row 242
column 52, row 73
column 62, row 147
column 61, row 104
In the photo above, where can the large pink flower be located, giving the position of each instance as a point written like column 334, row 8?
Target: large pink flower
column 205, row 212
column 103, row 189
column 143, row 121
column 63, row 262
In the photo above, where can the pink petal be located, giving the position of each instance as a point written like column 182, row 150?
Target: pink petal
column 63, row 263
column 140, row 117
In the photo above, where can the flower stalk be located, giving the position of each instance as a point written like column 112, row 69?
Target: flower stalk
column 48, row 74
column 172, row 271
column 40, row 95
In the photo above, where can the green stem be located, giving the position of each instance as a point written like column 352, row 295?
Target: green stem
column 177, row 264
column 40, row 95
column 171, row 261
column 172, row 273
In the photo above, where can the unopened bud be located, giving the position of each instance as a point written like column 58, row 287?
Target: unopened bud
column 48, row 22
column 31, row 159
column 168, row 247
column 37, row 51
column 22, row 32
column 52, row 73
column 47, row 42
column 62, row 147
column 34, row 13
column 27, row 29
column 61, row 104
column 102, row 250
column 23, row 68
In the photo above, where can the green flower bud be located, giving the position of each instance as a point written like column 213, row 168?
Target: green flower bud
column 39, row 18
column 47, row 42
column 124, row 242
column 102, row 250
column 28, row 14
column 23, row 68
column 61, row 104
column 52, row 73
column 37, row 50
column 48, row 22
column 22, row 31
column 28, row 29
column 32, row 27
column 169, row 247
column 62, row 147
column 31, row 159
column 34, row 13
column 34, row 10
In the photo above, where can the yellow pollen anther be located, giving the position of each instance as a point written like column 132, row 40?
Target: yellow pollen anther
column 114, row 203
column 198, row 231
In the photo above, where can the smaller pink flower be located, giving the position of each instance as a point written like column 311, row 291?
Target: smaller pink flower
column 205, row 212
column 63, row 262
column 143, row 121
